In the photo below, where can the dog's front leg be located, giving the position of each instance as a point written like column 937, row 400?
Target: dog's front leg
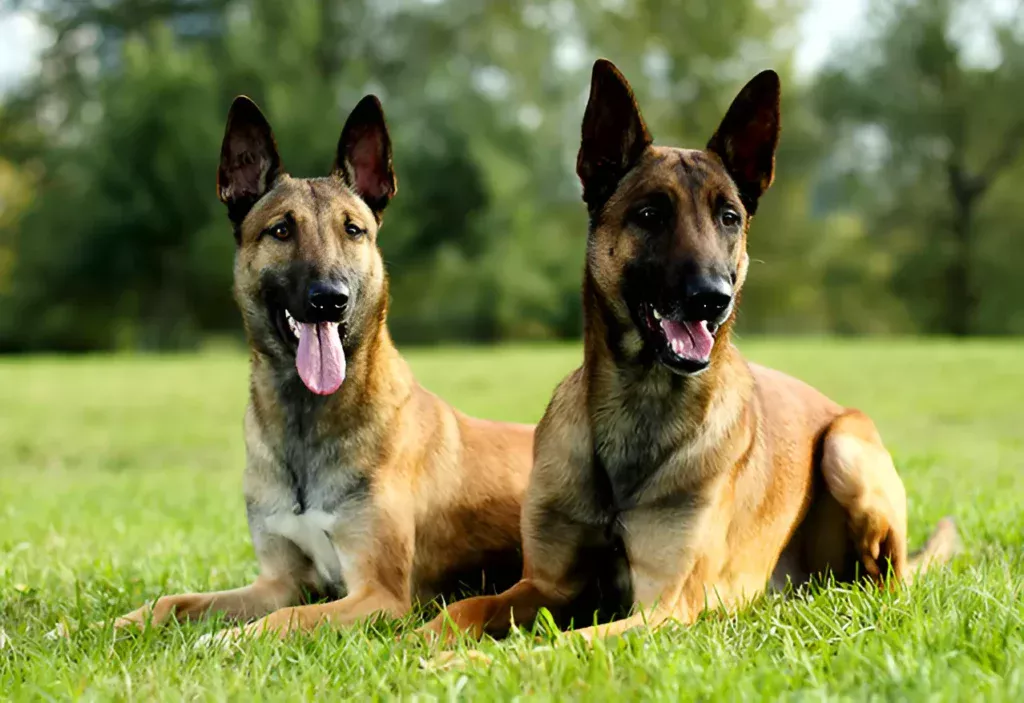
column 650, row 619
column 672, row 606
column 263, row 596
column 357, row 606
column 671, row 584
column 378, row 577
column 681, row 602
column 496, row 614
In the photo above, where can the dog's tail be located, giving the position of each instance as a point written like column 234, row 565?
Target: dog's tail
column 942, row 546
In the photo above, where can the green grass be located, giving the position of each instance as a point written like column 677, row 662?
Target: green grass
column 120, row 480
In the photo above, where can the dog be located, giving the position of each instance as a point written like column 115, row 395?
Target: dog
column 360, row 486
column 670, row 475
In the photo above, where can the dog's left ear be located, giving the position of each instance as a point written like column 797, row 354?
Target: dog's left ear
column 363, row 160
column 748, row 136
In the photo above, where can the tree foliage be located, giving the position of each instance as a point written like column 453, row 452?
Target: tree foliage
column 111, row 234
column 929, row 134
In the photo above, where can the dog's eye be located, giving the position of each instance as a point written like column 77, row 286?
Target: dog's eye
column 731, row 218
column 279, row 231
column 649, row 217
column 353, row 230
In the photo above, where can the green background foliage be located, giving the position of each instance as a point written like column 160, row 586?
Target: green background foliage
column 895, row 208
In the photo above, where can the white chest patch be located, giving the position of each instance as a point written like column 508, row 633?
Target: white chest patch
column 311, row 532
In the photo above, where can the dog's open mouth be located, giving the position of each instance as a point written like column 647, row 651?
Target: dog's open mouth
column 684, row 345
column 319, row 354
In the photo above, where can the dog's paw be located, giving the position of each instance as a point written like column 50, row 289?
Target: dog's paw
column 145, row 617
column 59, row 632
column 415, row 638
column 123, row 623
column 446, row 661
column 439, row 631
column 223, row 640
column 452, row 660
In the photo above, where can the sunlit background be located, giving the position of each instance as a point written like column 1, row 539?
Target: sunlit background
column 896, row 208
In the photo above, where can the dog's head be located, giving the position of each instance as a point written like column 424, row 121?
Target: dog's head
column 666, row 255
column 309, row 277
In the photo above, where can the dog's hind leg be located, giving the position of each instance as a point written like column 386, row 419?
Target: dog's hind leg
column 860, row 475
column 261, row 597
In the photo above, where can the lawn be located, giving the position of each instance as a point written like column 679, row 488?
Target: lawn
column 120, row 480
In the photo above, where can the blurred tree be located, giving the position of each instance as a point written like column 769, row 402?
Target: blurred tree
column 929, row 128
column 105, row 252
column 15, row 196
column 124, row 244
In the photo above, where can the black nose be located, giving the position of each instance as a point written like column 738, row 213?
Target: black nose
column 706, row 298
column 327, row 300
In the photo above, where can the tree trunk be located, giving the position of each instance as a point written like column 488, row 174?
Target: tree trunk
column 961, row 303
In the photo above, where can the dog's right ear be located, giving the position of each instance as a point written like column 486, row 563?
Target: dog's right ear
column 249, row 162
column 614, row 134
column 363, row 159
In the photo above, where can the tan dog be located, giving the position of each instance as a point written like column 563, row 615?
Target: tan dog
column 360, row 486
column 670, row 475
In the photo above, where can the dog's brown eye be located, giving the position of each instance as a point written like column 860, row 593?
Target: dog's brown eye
column 649, row 216
column 279, row 231
column 354, row 230
column 731, row 218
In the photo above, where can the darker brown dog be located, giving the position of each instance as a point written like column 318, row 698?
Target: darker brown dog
column 360, row 486
column 670, row 475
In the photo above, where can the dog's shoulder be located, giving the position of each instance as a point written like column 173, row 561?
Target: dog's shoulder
column 565, row 419
column 563, row 448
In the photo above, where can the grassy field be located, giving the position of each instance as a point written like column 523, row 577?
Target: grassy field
column 120, row 480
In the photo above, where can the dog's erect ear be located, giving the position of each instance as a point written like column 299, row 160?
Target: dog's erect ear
column 614, row 134
column 249, row 163
column 747, row 138
column 363, row 160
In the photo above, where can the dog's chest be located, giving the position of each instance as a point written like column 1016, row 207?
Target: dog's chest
column 635, row 439
column 638, row 483
column 307, row 504
column 628, row 467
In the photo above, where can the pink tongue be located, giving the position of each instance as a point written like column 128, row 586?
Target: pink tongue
column 320, row 359
column 689, row 340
